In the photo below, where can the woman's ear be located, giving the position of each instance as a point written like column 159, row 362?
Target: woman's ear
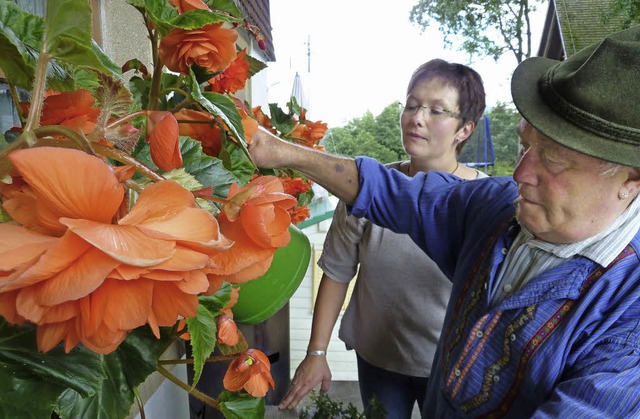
column 466, row 131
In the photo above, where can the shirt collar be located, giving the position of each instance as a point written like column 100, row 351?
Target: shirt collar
column 603, row 247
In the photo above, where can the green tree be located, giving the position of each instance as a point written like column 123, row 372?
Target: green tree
column 373, row 136
column 483, row 27
column 504, row 120
column 626, row 10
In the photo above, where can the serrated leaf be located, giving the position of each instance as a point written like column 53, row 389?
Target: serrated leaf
column 203, row 330
column 207, row 170
column 241, row 405
column 193, row 19
column 219, row 300
column 67, row 36
column 227, row 6
column 237, row 162
column 280, row 120
column 220, row 106
column 255, row 65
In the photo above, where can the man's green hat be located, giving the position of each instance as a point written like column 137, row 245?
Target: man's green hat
column 589, row 102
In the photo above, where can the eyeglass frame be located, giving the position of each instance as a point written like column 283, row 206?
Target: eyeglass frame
column 408, row 110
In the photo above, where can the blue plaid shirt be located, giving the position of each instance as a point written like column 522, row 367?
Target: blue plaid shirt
column 567, row 344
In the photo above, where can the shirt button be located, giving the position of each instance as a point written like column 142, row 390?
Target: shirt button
column 507, row 288
column 479, row 334
column 496, row 378
column 512, row 337
column 504, row 250
column 457, row 372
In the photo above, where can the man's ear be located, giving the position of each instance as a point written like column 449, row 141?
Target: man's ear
column 632, row 184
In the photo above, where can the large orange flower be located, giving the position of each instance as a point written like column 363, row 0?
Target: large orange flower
column 153, row 261
column 234, row 77
column 211, row 47
column 250, row 371
column 72, row 109
column 255, row 217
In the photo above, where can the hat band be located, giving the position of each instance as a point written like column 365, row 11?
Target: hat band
column 583, row 119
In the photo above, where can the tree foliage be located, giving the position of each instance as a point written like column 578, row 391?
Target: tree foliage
column 504, row 120
column 626, row 10
column 481, row 27
column 373, row 136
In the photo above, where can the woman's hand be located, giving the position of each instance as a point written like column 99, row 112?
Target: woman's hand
column 311, row 371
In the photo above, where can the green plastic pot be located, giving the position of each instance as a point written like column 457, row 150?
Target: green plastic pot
column 261, row 298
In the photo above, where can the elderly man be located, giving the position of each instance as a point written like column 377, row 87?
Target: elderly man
column 544, row 318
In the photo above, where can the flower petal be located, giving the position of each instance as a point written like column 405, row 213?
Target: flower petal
column 73, row 183
column 126, row 244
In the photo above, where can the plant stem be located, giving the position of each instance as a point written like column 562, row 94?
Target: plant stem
column 125, row 158
column 37, row 95
column 190, row 360
column 192, row 391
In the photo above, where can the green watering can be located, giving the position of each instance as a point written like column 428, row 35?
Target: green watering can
column 263, row 297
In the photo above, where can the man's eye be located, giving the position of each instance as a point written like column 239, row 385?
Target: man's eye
column 412, row 108
column 437, row 111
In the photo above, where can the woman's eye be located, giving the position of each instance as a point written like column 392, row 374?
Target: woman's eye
column 437, row 111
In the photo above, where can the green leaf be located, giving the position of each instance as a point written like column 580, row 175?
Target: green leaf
column 237, row 162
column 18, row 395
column 280, row 120
column 255, row 65
column 79, row 369
column 217, row 301
column 207, row 170
column 68, row 36
column 241, row 405
column 127, row 367
column 17, row 58
column 203, row 330
column 219, row 105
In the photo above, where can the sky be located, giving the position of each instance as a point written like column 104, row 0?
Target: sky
column 355, row 56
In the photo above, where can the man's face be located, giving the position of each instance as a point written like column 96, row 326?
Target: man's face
column 563, row 195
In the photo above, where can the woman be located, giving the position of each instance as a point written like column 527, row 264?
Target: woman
column 395, row 314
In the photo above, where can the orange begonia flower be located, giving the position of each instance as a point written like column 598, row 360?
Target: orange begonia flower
column 309, row 132
column 234, row 77
column 211, row 47
column 294, row 186
column 260, row 210
column 208, row 134
column 299, row 214
column 163, row 139
column 184, row 5
column 72, row 109
column 255, row 217
column 227, row 330
column 263, row 119
column 154, row 261
column 251, row 372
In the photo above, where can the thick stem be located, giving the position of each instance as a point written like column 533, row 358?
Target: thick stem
column 192, row 391
column 154, row 92
column 37, row 95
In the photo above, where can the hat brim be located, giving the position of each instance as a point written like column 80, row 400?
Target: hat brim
column 529, row 102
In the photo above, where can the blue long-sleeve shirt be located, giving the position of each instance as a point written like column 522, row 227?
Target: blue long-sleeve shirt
column 567, row 344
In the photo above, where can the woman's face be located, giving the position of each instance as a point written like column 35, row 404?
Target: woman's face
column 430, row 120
